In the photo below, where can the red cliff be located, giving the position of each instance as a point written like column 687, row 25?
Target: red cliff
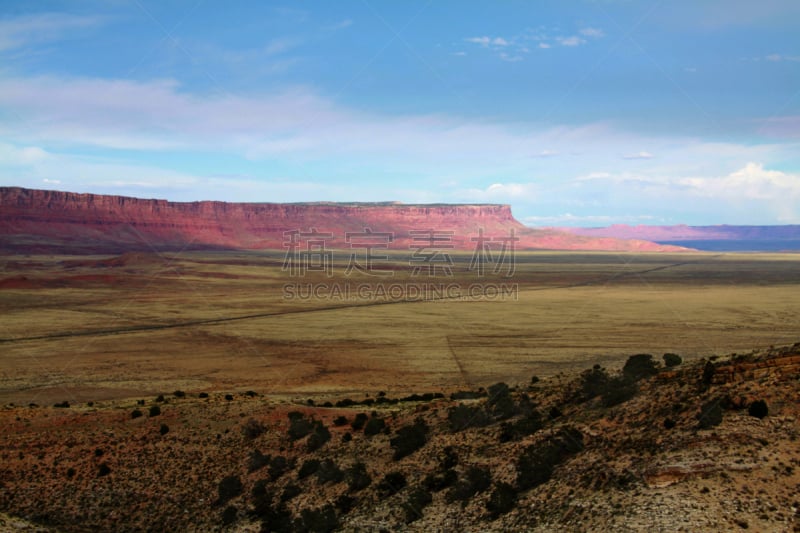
column 54, row 221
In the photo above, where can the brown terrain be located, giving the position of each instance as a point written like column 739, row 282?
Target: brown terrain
column 161, row 389
column 708, row 445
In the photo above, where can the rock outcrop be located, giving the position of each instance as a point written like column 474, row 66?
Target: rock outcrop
column 33, row 221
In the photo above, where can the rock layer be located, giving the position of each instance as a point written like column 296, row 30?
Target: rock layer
column 34, row 221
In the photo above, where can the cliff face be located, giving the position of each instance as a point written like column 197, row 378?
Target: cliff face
column 49, row 221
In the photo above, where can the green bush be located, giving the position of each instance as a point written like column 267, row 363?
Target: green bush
column 672, row 359
column 257, row 461
column 136, row 413
column 155, row 410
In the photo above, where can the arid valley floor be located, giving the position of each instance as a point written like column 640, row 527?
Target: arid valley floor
column 106, row 335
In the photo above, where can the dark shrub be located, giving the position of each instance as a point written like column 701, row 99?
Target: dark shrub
column 309, row 466
column 164, row 429
column 708, row 373
column 347, row 402
column 345, row 503
column 534, row 380
column 524, row 426
column 71, row 472
column 758, row 409
column 252, row 429
column 290, row 491
column 391, row 484
column 357, row 477
column 347, row 437
column 476, row 480
column 278, row 466
column 593, row 382
column 257, row 461
column 497, row 391
column 251, row 394
column 639, row 366
column 669, row 423
column 228, row 488
column 160, row 398
column 229, row 515
column 103, row 470
column 672, row 359
column 229, row 397
column 620, row 389
column 321, row 520
column 299, row 427
column 136, row 413
column 319, row 437
column 440, row 480
column 139, row 402
column 710, row 414
column 468, row 395
column 327, row 404
column 276, row 519
column 99, row 452
column 359, row 421
column 536, row 463
column 340, row 421
column 448, row 458
column 417, row 500
column 329, row 472
column 463, row 416
column 409, row 439
column 374, row 426
column 554, row 413
column 501, row 500
column 179, row 394
column 203, row 395
column 155, row 410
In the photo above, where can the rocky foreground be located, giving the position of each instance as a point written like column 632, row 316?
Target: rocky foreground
column 660, row 445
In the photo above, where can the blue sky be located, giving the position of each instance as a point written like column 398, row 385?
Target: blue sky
column 580, row 113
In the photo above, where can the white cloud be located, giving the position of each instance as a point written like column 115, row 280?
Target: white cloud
column 775, row 58
column 573, row 40
column 638, row 155
column 501, row 192
column 592, row 32
column 52, row 182
column 544, row 45
column 547, row 153
column 752, row 182
column 499, row 41
column 483, row 41
column 459, row 53
column 18, row 32
column 510, row 58
column 569, row 219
